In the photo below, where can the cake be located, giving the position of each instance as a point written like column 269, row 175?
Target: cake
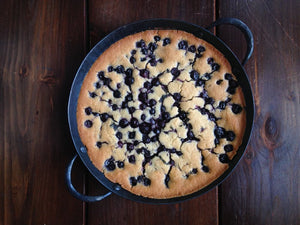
column 161, row 113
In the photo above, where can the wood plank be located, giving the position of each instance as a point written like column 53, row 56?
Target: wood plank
column 264, row 189
column 104, row 17
column 41, row 49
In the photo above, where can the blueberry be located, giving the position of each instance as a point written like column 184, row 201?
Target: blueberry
column 147, row 181
column 215, row 66
column 194, row 75
column 129, row 80
column 200, row 82
column 209, row 100
column 106, row 81
column 166, row 115
column 120, row 164
column 88, row 123
column 179, row 153
column 145, row 128
column 119, row 135
column 183, row 116
column 131, row 159
column 152, row 111
column 132, row 60
column 153, row 62
column 154, row 138
column 228, row 148
column 175, row 72
column 177, row 96
column 192, row 49
column 124, row 105
column 223, row 158
column 201, row 48
column 133, row 52
column 152, row 102
column 205, row 169
column 219, row 132
column 134, row 123
column 92, row 94
column 123, row 123
column 233, row 83
column 131, row 135
column 219, row 82
column 97, row 85
column 152, row 46
column 194, row 170
column 203, row 111
column 183, row 45
column 228, row 76
column 146, row 139
column 98, row 144
column 140, row 44
column 142, row 106
column 128, row 97
column 120, row 69
column 166, row 41
column 110, row 69
column 236, row 109
column 217, row 141
column 163, row 108
column 110, row 164
column 210, row 61
column 143, row 117
column 130, row 147
column 104, row 117
column 190, row 135
column 161, row 124
column 144, row 51
column 88, row 110
column 207, row 76
column 128, row 72
column 120, row 144
column 222, row 105
column 133, row 181
column 131, row 110
column 147, row 85
column 117, row 94
column 143, row 59
column 155, row 81
column 101, row 75
column 230, row 135
column 157, row 38
column 143, row 97
column 144, row 73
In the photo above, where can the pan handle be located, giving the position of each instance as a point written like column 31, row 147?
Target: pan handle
column 75, row 193
column 243, row 28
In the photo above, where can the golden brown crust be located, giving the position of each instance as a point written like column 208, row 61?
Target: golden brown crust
column 177, row 163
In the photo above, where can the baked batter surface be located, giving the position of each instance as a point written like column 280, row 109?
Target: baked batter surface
column 161, row 113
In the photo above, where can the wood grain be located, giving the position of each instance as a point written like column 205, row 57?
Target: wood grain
column 104, row 17
column 264, row 189
column 41, row 49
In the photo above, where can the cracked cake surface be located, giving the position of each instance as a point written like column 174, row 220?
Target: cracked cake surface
column 161, row 113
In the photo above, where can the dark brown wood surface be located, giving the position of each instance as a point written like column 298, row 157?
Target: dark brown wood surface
column 42, row 44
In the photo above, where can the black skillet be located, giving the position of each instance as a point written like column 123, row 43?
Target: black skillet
column 124, row 31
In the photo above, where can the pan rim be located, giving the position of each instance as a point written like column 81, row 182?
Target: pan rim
column 136, row 27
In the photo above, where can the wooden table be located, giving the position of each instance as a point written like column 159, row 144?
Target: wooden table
column 42, row 44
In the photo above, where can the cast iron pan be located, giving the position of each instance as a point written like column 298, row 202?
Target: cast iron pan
column 124, row 31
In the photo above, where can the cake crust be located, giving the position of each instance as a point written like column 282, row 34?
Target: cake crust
column 161, row 113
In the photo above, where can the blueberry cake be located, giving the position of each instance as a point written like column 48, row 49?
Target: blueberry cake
column 161, row 113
